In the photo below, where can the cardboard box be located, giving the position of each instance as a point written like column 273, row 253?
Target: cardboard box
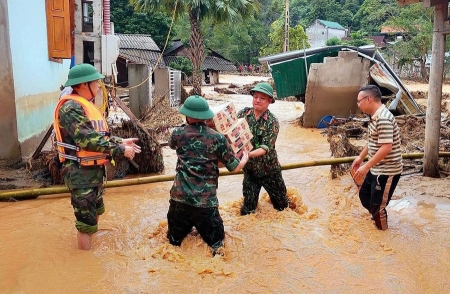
column 224, row 116
column 239, row 131
column 246, row 148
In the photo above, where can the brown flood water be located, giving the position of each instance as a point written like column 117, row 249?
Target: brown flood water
column 327, row 245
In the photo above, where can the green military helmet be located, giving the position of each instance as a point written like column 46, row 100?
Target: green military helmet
column 196, row 107
column 82, row 73
column 263, row 88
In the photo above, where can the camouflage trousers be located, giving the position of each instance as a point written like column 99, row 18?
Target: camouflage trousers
column 87, row 205
column 273, row 184
column 182, row 217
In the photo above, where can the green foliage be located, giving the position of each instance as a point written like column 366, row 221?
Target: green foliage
column 329, row 10
column 373, row 14
column 183, row 64
column 358, row 39
column 297, row 37
column 127, row 21
column 415, row 22
column 333, row 41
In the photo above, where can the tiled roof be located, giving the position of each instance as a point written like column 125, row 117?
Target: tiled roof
column 212, row 63
column 142, row 42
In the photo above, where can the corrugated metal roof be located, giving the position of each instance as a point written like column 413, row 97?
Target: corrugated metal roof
column 177, row 44
column 285, row 56
column 139, row 49
column 210, row 63
column 137, row 41
column 141, row 56
column 331, row 24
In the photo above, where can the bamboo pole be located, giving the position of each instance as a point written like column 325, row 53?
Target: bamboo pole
column 35, row 192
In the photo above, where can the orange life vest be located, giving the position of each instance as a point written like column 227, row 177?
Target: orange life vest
column 83, row 157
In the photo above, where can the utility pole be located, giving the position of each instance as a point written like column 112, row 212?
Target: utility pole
column 286, row 28
column 433, row 116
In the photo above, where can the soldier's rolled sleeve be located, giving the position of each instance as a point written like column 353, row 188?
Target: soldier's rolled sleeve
column 120, row 150
column 265, row 147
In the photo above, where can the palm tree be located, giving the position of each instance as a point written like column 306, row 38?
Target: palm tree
column 218, row 10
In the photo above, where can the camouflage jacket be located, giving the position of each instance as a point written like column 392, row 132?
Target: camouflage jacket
column 199, row 149
column 265, row 131
column 76, row 128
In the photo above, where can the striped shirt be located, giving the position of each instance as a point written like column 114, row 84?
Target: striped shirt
column 383, row 129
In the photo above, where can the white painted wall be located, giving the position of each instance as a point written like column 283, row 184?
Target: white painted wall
column 318, row 34
column 36, row 78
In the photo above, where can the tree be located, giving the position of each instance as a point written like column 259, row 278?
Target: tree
column 183, row 64
column 358, row 39
column 127, row 21
column 373, row 14
column 333, row 41
column 415, row 22
column 198, row 11
column 328, row 10
column 297, row 37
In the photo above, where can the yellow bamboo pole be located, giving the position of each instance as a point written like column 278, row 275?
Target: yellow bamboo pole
column 32, row 193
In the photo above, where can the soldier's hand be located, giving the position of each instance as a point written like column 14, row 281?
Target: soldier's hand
column 130, row 142
column 129, row 152
column 244, row 157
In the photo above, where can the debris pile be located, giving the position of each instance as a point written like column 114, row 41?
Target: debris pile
column 244, row 89
column 349, row 138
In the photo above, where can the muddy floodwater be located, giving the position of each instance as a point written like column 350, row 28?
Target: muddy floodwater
column 328, row 244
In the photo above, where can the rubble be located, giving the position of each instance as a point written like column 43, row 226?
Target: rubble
column 344, row 142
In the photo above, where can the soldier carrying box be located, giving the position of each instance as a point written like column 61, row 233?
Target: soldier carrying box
column 263, row 168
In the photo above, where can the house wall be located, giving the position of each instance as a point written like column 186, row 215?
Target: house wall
column 35, row 78
column 95, row 36
column 333, row 86
column 318, row 34
column 9, row 145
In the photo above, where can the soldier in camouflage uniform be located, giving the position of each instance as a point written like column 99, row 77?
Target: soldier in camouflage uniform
column 263, row 168
column 193, row 199
column 73, row 127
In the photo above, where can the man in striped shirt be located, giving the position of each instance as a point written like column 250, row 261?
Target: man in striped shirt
column 382, row 171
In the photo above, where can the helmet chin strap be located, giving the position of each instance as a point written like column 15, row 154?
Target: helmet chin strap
column 90, row 90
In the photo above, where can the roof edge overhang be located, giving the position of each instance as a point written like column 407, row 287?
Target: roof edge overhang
column 285, row 56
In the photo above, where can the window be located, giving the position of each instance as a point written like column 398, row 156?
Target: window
column 88, row 16
column 59, row 28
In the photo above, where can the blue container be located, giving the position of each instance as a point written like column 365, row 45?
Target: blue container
column 325, row 121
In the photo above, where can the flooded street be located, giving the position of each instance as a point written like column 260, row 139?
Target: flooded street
column 328, row 244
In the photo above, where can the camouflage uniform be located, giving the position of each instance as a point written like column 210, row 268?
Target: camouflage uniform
column 84, row 182
column 263, row 171
column 193, row 199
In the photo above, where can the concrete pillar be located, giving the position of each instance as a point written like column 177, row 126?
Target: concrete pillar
column 140, row 83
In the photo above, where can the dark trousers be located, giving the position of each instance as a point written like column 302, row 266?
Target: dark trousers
column 182, row 217
column 275, row 187
column 375, row 194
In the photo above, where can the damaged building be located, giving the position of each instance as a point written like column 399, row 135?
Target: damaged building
column 327, row 80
